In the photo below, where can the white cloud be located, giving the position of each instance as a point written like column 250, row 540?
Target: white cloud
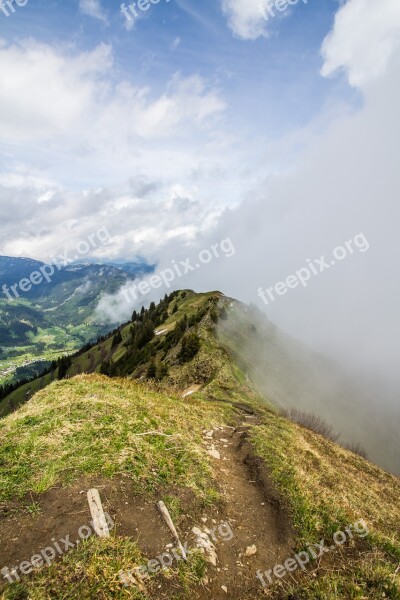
column 143, row 216
column 47, row 93
column 76, row 140
column 345, row 181
column 93, row 8
column 245, row 18
column 365, row 37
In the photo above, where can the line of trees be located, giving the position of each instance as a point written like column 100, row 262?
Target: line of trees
column 143, row 347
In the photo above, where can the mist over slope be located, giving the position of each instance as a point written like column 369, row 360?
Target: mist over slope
column 177, row 419
column 284, row 370
column 291, row 376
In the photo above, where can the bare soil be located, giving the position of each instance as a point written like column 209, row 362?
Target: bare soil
column 256, row 516
column 249, row 505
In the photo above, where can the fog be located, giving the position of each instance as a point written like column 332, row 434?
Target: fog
column 339, row 182
column 345, row 187
column 291, row 376
column 347, row 183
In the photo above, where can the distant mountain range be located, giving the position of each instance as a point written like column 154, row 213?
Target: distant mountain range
column 52, row 317
column 14, row 270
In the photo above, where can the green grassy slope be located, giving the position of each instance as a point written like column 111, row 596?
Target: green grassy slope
column 188, row 303
column 328, row 489
column 90, row 425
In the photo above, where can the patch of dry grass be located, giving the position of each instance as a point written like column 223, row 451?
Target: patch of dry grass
column 93, row 571
column 328, row 488
column 336, row 484
column 91, row 425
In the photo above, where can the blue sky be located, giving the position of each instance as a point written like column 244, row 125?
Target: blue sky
column 202, row 122
column 273, row 83
column 191, row 99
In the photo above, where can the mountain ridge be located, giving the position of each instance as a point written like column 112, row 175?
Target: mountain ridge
column 196, row 435
column 284, row 370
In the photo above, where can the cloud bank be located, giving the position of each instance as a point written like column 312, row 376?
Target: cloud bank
column 346, row 181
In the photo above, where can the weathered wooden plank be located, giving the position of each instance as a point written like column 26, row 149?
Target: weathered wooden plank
column 167, row 518
column 96, row 510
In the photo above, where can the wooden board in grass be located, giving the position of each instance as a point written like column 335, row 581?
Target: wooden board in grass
column 96, row 510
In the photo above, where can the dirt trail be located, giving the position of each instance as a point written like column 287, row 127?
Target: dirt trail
column 258, row 524
column 249, row 506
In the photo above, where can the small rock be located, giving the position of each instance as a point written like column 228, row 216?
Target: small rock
column 205, row 545
column 224, row 588
column 224, row 440
column 251, row 550
column 214, row 453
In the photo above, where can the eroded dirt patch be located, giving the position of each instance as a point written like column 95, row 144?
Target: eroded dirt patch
column 62, row 512
column 249, row 528
column 262, row 535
